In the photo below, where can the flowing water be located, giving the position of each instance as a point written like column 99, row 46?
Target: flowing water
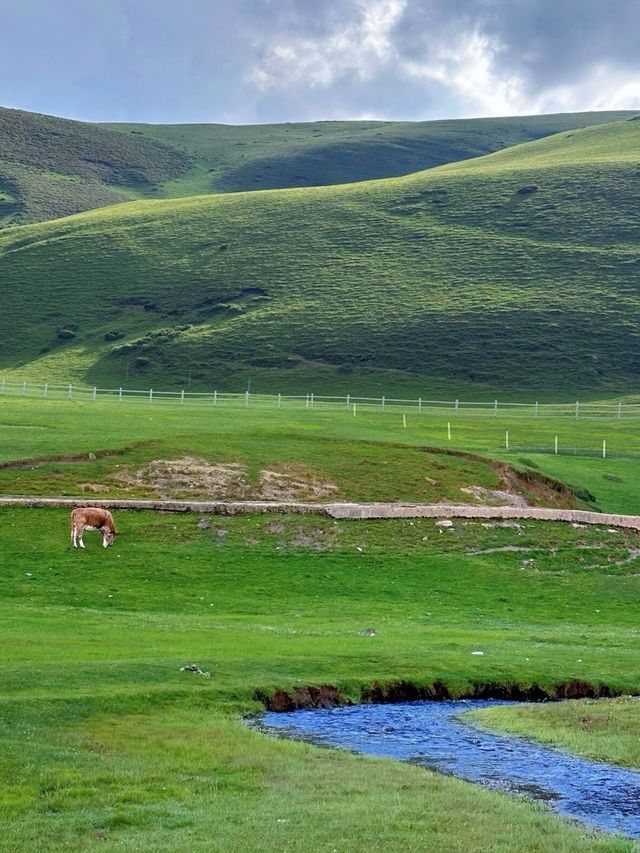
column 433, row 735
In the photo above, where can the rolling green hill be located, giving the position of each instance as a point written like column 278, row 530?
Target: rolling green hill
column 513, row 272
column 51, row 167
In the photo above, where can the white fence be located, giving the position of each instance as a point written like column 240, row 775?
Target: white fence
column 245, row 399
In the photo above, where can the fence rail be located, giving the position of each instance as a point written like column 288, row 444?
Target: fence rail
column 495, row 408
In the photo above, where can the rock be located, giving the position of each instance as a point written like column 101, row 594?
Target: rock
column 203, row 524
column 92, row 456
column 193, row 667
column 444, row 522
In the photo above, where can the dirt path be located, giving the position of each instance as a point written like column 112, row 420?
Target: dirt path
column 341, row 510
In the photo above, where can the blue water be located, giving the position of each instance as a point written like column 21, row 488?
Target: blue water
column 431, row 734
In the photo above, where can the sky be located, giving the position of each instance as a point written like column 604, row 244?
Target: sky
column 261, row 61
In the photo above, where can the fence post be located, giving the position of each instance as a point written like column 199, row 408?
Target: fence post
column 95, row 391
column 495, row 408
column 419, row 405
column 506, row 440
column 404, row 421
column 604, row 448
column 151, row 395
column 312, row 399
column 70, row 390
column 535, row 415
column 619, row 409
column 348, row 398
column 215, row 398
column 449, row 430
column 120, row 395
column 24, row 387
column 46, row 388
column 577, row 408
column 555, row 450
column 182, row 397
column 246, row 399
column 382, row 405
column 457, row 405
column 354, row 410
column 279, row 400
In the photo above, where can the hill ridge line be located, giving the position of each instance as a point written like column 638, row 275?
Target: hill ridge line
column 343, row 510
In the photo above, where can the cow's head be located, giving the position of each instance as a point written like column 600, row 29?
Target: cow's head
column 108, row 537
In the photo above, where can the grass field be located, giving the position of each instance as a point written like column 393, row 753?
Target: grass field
column 370, row 457
column 606, row 731
column 107, row 744
column 495, row 275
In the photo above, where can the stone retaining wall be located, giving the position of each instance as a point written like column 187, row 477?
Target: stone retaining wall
column 341, row 510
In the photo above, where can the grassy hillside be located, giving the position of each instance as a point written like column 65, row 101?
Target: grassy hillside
column 51, row 167
column 517, row 271
column 276, row 156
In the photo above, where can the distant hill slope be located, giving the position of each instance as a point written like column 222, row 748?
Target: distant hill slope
column 519, row 271
column 278, row 156
column 51, row 167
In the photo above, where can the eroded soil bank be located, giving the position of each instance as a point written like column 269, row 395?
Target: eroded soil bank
column 330, row 696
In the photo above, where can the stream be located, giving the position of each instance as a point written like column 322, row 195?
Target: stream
column 433, row 735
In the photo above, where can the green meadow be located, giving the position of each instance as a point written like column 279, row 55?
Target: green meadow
column 509, row 274
column 107, row 743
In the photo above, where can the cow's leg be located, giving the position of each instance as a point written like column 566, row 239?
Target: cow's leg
column 105, row 544
column 80, row 537
column 74, row 536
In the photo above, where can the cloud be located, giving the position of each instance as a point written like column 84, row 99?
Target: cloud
column 286, row 60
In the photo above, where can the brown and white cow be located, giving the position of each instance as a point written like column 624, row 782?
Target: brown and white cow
column 92, row 518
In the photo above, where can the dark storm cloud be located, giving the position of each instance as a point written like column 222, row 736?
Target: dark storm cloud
column 278, row 60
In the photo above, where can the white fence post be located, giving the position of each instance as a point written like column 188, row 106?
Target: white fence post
column 404, row 421
column 419, row 405
column 348, row 398
column 312, row 399
column 306, row 405
column 120, row 395
column 619, row 409
column 556, row 446
column 382, row 404
column 535, row 414
column 24, row 387
column 354, row 410
column 151, row 395
column 279, row 400
column 449, row 430
column 604, row 448
column 95, row 391
column 495, row 408
column 70, row 391
column 456, row 405
column 577, row 409
column 182, row 397
column 215, row 398
column 246, row 399
column 46, row 388
column 506, row 440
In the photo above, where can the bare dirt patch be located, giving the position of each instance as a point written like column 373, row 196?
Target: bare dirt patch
column 495, row 497
column 294, row 482
column 192, row 476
